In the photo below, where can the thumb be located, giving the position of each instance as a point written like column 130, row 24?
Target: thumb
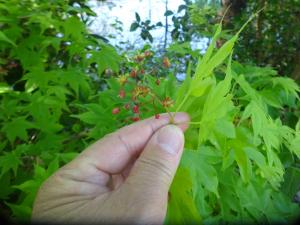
column 154, row 170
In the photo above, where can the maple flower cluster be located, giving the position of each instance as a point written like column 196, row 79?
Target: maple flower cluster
column 140, row 90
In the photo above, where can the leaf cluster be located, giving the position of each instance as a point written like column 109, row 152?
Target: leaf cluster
column 50, row 65
column 239, row 155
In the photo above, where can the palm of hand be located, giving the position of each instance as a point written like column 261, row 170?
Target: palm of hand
column 123, row 177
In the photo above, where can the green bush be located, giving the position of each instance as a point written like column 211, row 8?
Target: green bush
column 50, row 65
column 63, row 88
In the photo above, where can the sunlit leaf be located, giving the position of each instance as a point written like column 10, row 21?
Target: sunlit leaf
column 182, row 208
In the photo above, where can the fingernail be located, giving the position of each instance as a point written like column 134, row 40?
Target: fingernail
column 170, row 139
column 181, row 117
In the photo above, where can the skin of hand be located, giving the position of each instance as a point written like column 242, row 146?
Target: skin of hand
column 122, row 178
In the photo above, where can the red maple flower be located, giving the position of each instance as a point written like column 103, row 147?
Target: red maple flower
column 133, row 73
column 115, row 110
column 136, row 109
column 166, row 62
column 167, row 102
column 148, row 53
column 127, row 106
column 142, row 71
column 135, row 118
column 140, row 91
column 122, row 93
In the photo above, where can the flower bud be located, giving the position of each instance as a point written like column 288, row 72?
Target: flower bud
column 122, row 79
column 135, row 109
column 115, row 110
column 135, row 118
column 142, row 71
column 167, row 102
column 122, row 93
column 166, row 62
column 147, row 53
column 127, row 106
column 139, row 58
column 133, row 73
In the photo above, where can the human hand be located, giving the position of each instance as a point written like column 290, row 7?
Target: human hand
column 123, row 177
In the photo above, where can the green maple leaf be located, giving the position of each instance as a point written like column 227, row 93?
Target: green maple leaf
column 73, row 27
column 44, row 19
column 106, row 58
column 2, row 145
column 9, row 161
column 216, row 106
column 288, row 84
column 4, row 88
column 76, row 79
column 241, row 158
column 4, row 38
column 202, row 172
column 181, row 208
column 39, row 78
column 17, row 128
column 46, row 111
column 20, row 211
column 295, row 144
column 59, row 91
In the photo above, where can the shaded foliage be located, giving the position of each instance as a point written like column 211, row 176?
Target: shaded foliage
column 46, row 53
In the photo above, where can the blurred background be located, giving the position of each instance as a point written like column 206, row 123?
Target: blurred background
column 272, row 39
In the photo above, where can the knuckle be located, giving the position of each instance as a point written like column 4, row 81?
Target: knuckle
column 161, row 167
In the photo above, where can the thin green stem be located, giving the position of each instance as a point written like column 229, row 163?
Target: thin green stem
column 249, row 20
column 195, row 123
column 183, row 101
column 168, row 111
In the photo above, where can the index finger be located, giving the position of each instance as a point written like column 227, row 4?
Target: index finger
column 112, row 153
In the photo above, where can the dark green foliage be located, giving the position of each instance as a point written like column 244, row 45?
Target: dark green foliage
column 274, row 38
column 144, row 26
column 50, row 65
